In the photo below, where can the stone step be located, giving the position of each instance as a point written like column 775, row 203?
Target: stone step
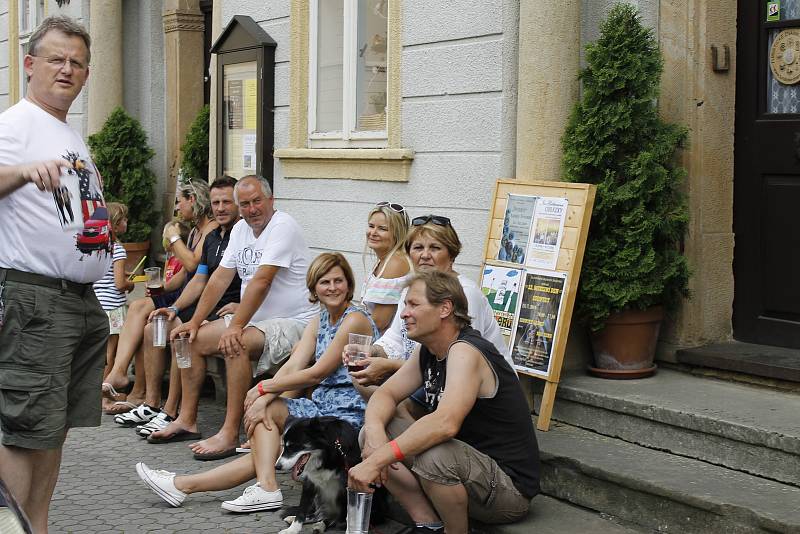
column 776, row 363
column 662, row 491
column 552, row 516
column 743, row 427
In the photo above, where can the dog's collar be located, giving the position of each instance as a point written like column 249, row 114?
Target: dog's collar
column 344, row 456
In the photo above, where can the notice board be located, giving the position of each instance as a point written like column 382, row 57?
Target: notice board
column 532, row 265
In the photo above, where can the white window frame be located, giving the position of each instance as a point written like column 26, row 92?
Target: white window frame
column 35, row 18
column 348, row 137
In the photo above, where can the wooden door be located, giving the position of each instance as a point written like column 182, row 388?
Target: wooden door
column 767, row 176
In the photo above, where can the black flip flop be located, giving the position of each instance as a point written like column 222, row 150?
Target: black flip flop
column 209, row 456
column 180, row 435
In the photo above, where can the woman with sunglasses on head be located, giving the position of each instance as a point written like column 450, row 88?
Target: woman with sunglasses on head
column 432, row 244
column 387, row 227
column 193, row 204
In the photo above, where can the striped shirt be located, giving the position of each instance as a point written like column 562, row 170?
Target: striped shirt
column 107, row 293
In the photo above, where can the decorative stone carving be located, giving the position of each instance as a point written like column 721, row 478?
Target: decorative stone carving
column 180, row 21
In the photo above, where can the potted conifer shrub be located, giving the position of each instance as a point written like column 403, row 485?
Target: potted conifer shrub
column 633, row 268
column 122, row 155
column 195, row 148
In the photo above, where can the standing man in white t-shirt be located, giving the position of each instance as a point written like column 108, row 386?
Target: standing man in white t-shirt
column 54, row 332
column 269, row 253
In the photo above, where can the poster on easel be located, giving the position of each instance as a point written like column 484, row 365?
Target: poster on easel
column 516, row 228
column 546, row 232
column 501, row 287
column 534, row 331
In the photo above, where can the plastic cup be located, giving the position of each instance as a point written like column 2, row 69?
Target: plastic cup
column 154, row 283
column 160, row 331
column 357, row 349
column 183, row 351
column 359, row 506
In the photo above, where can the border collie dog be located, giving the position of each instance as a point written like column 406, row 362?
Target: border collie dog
column 318, row 452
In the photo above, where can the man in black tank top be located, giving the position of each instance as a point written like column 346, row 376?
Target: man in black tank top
column 475, row 455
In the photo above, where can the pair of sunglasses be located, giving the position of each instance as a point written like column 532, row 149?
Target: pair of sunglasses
column 435, row 219
column 397, row 208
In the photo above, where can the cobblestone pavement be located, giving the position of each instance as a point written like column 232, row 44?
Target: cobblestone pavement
column 99, row 491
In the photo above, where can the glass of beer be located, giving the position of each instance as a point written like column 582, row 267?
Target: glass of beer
column 154, row 283
column 357, row 351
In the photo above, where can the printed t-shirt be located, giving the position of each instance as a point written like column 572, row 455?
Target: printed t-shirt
column 280, row 244
column 105, row 289
column 61, row 234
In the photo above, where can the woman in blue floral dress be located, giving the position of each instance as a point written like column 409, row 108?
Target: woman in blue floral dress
column 315, row 362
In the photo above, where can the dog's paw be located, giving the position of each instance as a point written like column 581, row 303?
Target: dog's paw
column 318, row 527
column 294, row 528
column 289, row 519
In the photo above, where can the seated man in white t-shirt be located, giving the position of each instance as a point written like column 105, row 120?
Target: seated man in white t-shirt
column 268, row 250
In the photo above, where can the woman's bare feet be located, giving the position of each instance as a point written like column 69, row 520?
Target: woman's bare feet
column 218, row 443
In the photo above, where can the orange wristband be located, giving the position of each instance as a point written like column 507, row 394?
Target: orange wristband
column 261, row 388
column 398, row 454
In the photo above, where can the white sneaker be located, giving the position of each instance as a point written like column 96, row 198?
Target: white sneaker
column 161, row 482
column 159, row 422
column 138, row 416
column 255, row 499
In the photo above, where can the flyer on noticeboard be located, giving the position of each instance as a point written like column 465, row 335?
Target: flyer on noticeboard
column 546, row 232
column 516, row 228
column 501, row 287
column 533, row 334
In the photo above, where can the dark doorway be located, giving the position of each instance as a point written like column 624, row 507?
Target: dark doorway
column 767, row 175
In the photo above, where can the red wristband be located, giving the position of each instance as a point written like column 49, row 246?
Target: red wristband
column 261, row 388
column 398, row 454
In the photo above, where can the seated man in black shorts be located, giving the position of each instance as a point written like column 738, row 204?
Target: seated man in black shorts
column 147, row 415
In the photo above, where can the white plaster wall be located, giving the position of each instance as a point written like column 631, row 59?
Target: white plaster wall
column 458, row 108
column 77, row 118
column 143, row 72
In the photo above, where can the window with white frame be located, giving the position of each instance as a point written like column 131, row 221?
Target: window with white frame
column 347, row 76
column 31, row 14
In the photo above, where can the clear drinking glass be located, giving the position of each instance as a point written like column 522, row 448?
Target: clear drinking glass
column 359, row 507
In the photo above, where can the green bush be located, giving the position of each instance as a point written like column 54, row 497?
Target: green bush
column 616, row 139
column 121, row 153
column 195, row 149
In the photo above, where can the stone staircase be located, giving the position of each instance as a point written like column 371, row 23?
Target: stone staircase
column 677, row 453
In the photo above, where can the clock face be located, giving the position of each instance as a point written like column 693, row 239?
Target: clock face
column 784, row 57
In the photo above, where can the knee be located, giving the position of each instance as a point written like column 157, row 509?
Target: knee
column 148, row 332
column 141, row 306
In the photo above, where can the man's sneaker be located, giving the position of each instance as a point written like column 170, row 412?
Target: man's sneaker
column 138, row 416
column 157, row 423
column 255, row 499
column 161, row 482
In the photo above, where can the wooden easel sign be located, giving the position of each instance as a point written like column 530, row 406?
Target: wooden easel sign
column 532, row 264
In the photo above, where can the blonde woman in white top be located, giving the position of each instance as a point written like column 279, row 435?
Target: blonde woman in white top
column 387, row 227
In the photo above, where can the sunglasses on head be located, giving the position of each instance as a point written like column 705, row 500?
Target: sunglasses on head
column 392, row 206
column 435, row 219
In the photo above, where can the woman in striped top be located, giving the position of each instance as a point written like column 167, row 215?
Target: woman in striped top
column 387, row 227
column 111, row 290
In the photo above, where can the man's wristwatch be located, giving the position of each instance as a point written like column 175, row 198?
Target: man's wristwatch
column 174, row 309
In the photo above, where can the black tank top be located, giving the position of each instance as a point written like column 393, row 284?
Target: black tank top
column 499, row 427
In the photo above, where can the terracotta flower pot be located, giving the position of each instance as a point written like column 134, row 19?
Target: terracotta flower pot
column 626, row 346
column 135, row 253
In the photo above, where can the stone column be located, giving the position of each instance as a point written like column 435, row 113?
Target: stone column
column 216, row 30
column 105, row 80
column 183, row 55
column 549, row 61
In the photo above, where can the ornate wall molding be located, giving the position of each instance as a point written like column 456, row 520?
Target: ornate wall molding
column 179, row 21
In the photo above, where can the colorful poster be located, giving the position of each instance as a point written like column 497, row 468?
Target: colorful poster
column 249, row 152
column 235, row 107
column 516, row 228
column 501, row 287
column 773, row 11
column 535, row 329
column 546, row 232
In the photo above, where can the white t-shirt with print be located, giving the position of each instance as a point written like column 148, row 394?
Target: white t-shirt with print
column 38, row 233
column 280, row 244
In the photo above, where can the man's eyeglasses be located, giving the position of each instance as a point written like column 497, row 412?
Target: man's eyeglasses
column 435, row 219
column 59, row 62
column 397, row 208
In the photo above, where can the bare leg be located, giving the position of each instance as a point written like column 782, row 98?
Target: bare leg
column 238, row 374
column 266, row 444
column 111, row 351
column 31, row 475
column 174, row 395
column 129, row 340
column 451, row 503
column 404, row 486
column 192, row 378
column 226, row 476
column 154, row 364
column 139, row 389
